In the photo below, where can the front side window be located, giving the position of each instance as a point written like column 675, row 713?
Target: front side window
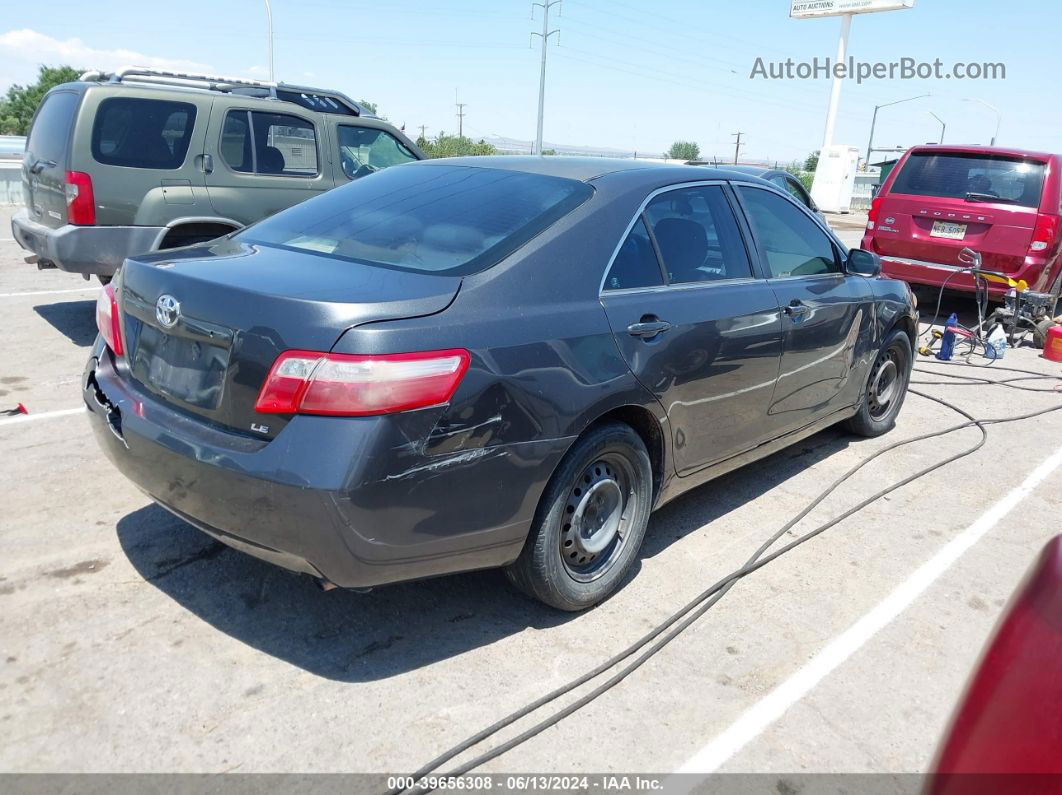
column 792, row 244
column 697, row 235
column 635, row 264
column 450, row 220
column 269, row 143
column 142, row 133
column 974, row 177
column 363, row 150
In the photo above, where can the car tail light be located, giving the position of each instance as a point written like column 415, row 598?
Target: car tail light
column 872, row 214
column 305, row 382
column 107, row 320
column 1045, row 232
column 80, row 203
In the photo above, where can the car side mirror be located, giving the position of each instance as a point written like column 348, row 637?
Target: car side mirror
column 863, row 263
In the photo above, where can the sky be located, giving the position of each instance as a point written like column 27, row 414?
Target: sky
column 621, row 73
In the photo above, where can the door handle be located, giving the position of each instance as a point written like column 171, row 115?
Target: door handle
column 796, row 309
column 648, row 327
column 206, row 164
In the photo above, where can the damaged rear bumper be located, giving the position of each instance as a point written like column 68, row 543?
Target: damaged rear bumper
column 350, row 500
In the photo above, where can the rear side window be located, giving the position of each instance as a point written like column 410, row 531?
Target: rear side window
column 635, row 264
column 792, row 244
column 51, row 127
column 142, row 133
column 269, row 143
column 697, row 235
column 363, row 150
column 449, row 220
column 974, row 177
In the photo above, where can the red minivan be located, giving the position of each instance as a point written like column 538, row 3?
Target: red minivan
column 940, row 199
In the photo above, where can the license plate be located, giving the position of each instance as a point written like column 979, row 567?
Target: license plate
column 948, row 229
column 191, row 371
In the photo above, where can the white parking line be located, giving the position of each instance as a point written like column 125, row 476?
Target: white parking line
column 7, row 240
column 771, row 707
column 93, row 289
column 44, row 415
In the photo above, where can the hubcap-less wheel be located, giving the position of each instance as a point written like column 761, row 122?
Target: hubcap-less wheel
column 596, row 517
column 886, row 383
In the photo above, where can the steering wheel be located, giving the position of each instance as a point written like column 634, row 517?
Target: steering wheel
column 365, row 170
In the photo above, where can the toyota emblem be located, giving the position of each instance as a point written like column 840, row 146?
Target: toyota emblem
column 167, row 311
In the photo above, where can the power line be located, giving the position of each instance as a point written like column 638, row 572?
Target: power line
column 737, row 145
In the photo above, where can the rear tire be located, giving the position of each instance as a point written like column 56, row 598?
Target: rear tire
column 590, row 521
column 105, row 280
column 886, row 387
column 1040, row 332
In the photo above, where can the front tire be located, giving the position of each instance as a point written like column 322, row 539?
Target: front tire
column 886, row 387
column 590, row 521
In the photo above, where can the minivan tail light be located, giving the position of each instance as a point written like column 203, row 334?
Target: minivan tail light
column 339, row 384
column 107, row 319
column 1045, row 233
column 872, row 214
column 80, row 203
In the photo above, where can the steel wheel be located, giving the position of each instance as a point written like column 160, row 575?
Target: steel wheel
column 887, row 381
column 597, row 517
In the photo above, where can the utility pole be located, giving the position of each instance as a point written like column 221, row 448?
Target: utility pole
column 545, row 5
column 737, row 145
column 423, row 127
column 460, row 116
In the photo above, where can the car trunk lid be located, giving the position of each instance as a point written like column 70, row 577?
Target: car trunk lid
column 203, row 326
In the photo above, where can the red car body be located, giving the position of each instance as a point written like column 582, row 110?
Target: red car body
column 1006, row 735
column 1005, row 203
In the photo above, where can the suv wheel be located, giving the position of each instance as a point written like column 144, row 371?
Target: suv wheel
column 886, row 388
column 590, row 521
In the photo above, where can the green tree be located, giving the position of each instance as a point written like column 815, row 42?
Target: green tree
column 369, row 106
column 683, row 150
column 18, row 105
column 811, row 162
column 455, row 146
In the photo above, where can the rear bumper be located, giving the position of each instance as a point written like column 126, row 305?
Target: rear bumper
column 328, row 496
column 91, row 250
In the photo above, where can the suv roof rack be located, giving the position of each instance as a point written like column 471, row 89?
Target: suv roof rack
column 319, row 99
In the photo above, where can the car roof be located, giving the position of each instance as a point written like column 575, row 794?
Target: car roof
column 972, row 149
column 583, row 169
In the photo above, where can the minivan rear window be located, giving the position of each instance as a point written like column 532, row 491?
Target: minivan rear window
column 977, row 177
column 142, row 133
column 451, row 220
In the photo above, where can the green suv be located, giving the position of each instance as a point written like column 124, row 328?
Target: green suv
column 143, row 159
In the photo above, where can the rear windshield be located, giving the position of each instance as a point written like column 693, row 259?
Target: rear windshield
column 977, row 177
column 51, row 127
column 439, row 219
column 142, row 133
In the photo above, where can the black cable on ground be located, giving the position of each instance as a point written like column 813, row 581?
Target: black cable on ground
column 693, row 610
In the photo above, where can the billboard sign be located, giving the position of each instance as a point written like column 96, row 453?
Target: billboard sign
column 805, row 9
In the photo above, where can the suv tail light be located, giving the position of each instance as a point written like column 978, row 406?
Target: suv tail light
column 872, row 214
column 305, row 382
column 107, row 320
column 1045, row 233
column 80, row 203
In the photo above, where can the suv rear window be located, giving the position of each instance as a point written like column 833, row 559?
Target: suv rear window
column 51, row 126
column 978, row 177
column 450, row 220
column 142, row 133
